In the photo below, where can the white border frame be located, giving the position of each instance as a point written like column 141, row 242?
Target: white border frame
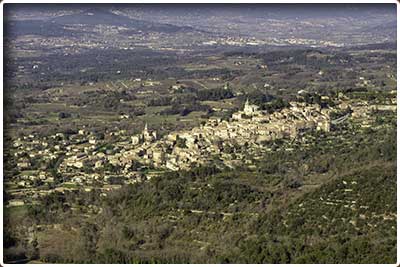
column 192, row 2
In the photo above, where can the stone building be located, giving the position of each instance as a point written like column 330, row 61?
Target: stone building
column 249, row 109
column 145, row 137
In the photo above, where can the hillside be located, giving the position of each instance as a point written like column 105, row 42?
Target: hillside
column 315, row 206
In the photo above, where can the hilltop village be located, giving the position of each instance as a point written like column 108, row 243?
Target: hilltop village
column 250, row 128
column 89, row 160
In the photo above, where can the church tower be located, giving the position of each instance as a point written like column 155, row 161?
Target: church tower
column 249, row 109
column 149, row 136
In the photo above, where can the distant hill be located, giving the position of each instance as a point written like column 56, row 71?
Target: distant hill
column 99, row 16
column 270, row 11
column 94, row 17
column 35, row 27
column 348, row 24
column 55, row 27
column 387, row 28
